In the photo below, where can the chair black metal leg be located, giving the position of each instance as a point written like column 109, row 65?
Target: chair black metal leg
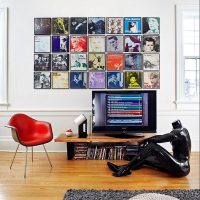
column 25, row 162
column 32, row 154
column 47, row 156
column 14, row 156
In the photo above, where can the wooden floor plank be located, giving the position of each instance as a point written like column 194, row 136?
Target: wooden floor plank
column 44, row 183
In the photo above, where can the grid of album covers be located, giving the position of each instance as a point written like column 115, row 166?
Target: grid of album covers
column 97, row 52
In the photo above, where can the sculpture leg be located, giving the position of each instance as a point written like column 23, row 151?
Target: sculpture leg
column 165, row 161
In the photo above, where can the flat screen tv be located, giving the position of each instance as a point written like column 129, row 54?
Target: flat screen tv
column 124, row 113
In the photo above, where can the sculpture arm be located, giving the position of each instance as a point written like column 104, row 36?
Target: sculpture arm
column 168, row 137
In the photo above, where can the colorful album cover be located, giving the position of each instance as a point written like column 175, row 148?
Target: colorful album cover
column 132, row 43
column 114, row 25
column 96, row 61
column 42, row 62
column 115, row 80
column 151, row 25
column 60, row 62
column 78, row 80
column 60, row 80
column 96, row 25
column 151, row 61
column 60, row 25
column 152, row 80
column 133, row 80
column 114, row 43
column 115, row 62
column 42, row 44
column 78, row 43
column 133, row 61
column 96, row 80
column 132, row 25
column 42, row 80
column 60, row 43
column 42, row 26
column 78, row 25
column 78, row 61
column 96, row 43
column 151, row 44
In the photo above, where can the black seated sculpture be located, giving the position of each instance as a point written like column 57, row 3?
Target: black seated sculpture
column 156, row 156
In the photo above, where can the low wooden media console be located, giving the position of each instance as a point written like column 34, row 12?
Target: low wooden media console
column 95, row 139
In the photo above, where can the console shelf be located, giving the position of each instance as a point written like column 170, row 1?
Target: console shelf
column 95, row 139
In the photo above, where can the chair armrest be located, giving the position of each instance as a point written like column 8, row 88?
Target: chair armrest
column 8, row 126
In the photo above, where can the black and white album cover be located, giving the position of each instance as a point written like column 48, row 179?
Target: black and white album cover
column 42, row 80
column 78, row 25
column 60, row 62
column 42, row 26
column 96, row 25
column 42, row 62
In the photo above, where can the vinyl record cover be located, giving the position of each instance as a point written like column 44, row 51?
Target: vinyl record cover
column 96, row 25
column 60, row 62
column 152, row 80
column 96, row 61
column 132, row 43
column 60, row 80
column 96, row 80
column 115, row 25
column 78, row 61
column 60, row 43
column 115, row 80
column 78, row 43
column 133, row 80
column 115, row 62
column 78, row 80
column 132, row 25
column 42, row 62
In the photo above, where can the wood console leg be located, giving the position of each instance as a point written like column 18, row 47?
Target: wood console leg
column 70, row 150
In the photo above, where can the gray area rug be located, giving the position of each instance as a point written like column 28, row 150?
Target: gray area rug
column 71, row 194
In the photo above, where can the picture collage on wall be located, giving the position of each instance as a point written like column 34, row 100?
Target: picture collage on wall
column 97, row 53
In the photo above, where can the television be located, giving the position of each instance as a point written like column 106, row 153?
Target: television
column 124, row 113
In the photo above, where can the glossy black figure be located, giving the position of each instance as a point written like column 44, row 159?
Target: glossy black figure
column 152, row 154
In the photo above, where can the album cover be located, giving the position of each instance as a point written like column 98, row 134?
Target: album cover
column 133, row 80
column 42, row 62
column 151, row 61
column 133, row 61
column 114, row 43
column 60, row 25
column 60, row 62
column 152, row 80
column 96, row 43
column 78, row 61
column 78, row 43
column 42, row 44
column 96, row 80
column 115, row 62
column 96, row 61
column 151, row 44
column 132, row 43
column 78, row 80
column 78, row 25
column 42, row 26
column 60, row 80
column 132, row 25
column 96, row 25
column 114, row 25
column 60, row 43
column 42, row 80
column 115, row 80
column 151, row 25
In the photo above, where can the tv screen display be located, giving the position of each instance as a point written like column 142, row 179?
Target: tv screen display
column 117, row 112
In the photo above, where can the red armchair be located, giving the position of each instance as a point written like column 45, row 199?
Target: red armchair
column 29, row 133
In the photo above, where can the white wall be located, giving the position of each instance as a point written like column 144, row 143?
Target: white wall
column 61, row 106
